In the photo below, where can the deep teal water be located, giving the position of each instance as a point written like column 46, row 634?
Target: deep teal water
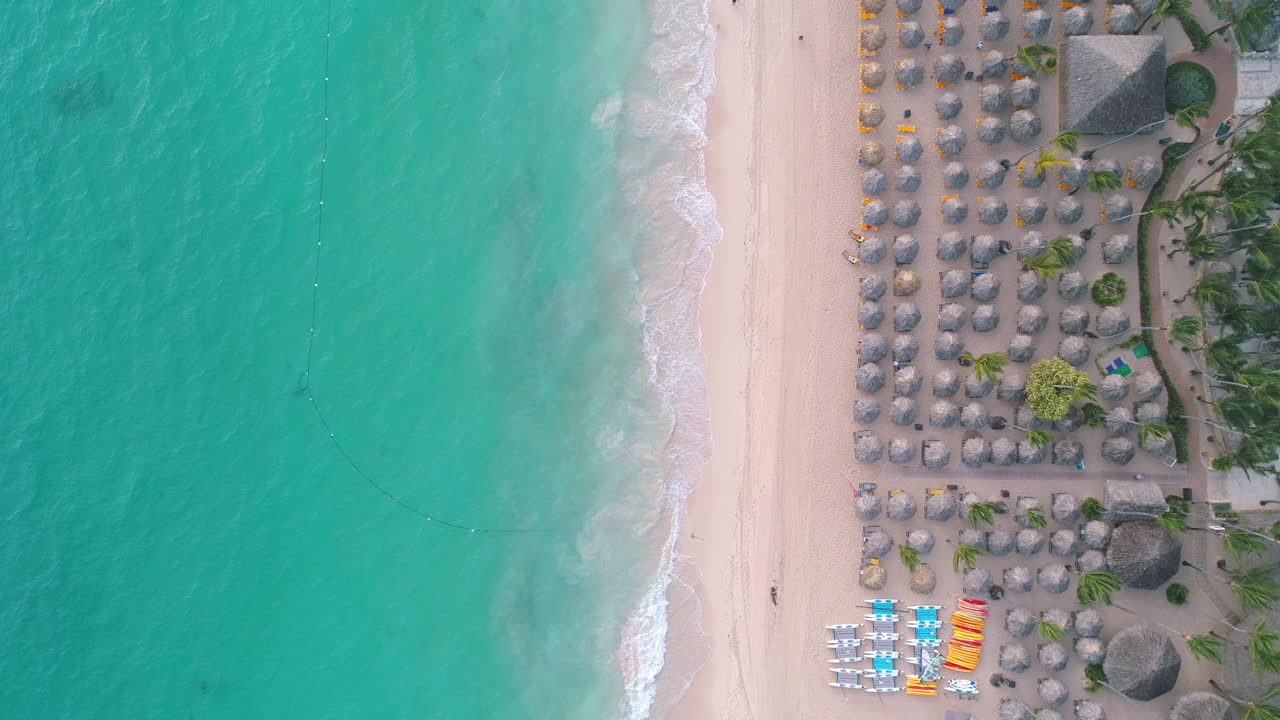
column 179, row 538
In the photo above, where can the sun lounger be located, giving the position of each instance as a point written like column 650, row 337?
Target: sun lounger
column 884, row 683
column 846, row 654
column 844, row 633
column 847, row 678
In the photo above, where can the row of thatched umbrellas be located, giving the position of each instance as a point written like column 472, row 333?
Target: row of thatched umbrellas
column 976, row 451
column 994, row 25
column 990, row 210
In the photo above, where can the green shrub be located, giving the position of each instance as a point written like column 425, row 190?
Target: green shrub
column 1200, row 40
column 1221, row 463
column 1091, row 508
column 1094, row 677
column 1108, row 290
column 1187, row 83
column 1177, row 594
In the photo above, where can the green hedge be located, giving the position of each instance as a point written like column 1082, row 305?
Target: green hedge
column 1108, row 290
column 1171, row 157
column 1200, row 40
column 1187, row 83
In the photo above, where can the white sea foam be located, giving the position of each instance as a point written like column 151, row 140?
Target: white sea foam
column 663, row 169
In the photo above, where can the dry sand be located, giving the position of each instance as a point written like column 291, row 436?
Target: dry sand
column 774, row 509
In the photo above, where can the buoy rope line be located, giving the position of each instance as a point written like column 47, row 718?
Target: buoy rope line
column 311, row 338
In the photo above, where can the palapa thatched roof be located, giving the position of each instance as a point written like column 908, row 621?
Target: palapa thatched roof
column 871, row 153
column 1070, row 422
column 1096, row 534
column 1117, row 248
column 1111, row 85
column 903, row 411
column 871, row 114
column 1052, row 656
column 1112, row 321
column 1090, row 650
column 1029, row 541
column 999, row 542
column 872, row 287
column 1029, row 454
column 1073, row 286
column 971, row 536
column 1021, row 509
column 902, row 451
column 1062, row 543
column 1065, row 508
column 967, row 501
column 1077, row 20
column 1031, row 287
column 905, row 282
column 1147, row 385
column 1200, row 706
column 948, row 346
column 992, row 211
column 869, row 377
column 995, row 63
column 909, row 7
column 940, row 507
column 920, row 539
column 1091, row 560
column 1143, row 554
column 985, row 248
column 923, row 580
column 1054, row 578
column 905, row 213
column 977, row 387
column 1014, row 658
column 951, row 140
column 873, row 74
column 873, row 249
column 909, row 148
column 1151, row 412
column 1089, row 710
column 952, row 246
column 994, row 98
column 1068, row 210
column 906, row 315
column 1029, row 177
column 1021, row 348
column 954, row 283
column 866, row 409
column 1122, row 20
column 975, row 416
column 877, row 544
column 874, row 577
column 936, row 454
column 1032, row 319
column 945, row 382
column 867, row 507
column 955, row 175
column 873, row 6
column 952, row 31
column 1011, row 387
column 1025, row 126
column 874, row 37
column 948, row 68
column 1036, row 23
column 954, row 211
column 991, row 175
column 976, row 581
column 1130, row 499
column 1017, row 579
column 872, row 347
column 994, row 25
column 948, row 105
column 1024, row 417
column 1142, row 662
column 905, row 348
column 1088, row 622
column 901, row 506
column 1144, row 171
column 1015, row 710
column 1031, row 211
column 873, row 182
column 1058, row 616
column 1025, row 92
column 986, row 317
column 1074, row 350
column 1048, row 714
column 991, row 130
column 909, row 72
column 974, row 452
column 1118, row 421
column 870, row 314
column 874, row 213
column 907, row 179
column 910, row 34
column 1019, row 621
column 1118, row 450
column 1114, row 387
column 1051, row 691
column 1067, row 452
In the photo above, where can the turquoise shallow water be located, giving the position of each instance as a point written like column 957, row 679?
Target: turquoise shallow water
column 179, row 538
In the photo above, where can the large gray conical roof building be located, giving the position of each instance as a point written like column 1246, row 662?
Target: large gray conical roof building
column 1111, row 84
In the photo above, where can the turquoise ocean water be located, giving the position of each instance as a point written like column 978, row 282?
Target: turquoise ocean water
column 515, row 233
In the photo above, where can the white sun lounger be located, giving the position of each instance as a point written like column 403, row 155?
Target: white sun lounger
column 846, row 654
column 847, row 678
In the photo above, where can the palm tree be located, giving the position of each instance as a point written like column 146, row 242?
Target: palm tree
column 1167, row 210
column 1044, row 265
column 1252, row 20
column 1238, row 316
column 1094, row 414
column 1212, row 288
column 1036, row 518
column 966, row 555
column 1262, row 648
column 987, row 365
column 1260, row 709
column 1100, row 182
column 1063, row 250
column 1097, row 586
column 910, row 558
column 1037, row 58
column 1199, row 247
column 1186, row 329
column 1186, row 117
column 1088, row 154
column 981, row 513
column 1255, row 589
column 1240, row 543
column 1224, row 353
column 1066, row 141
column 1166, row 9
column 1039, row 438
column 1207, row 647
column 1174, row 522
column 1050, row 630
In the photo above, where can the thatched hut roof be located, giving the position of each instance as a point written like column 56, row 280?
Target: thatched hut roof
column 967, row 501
column 1025, row 92
column 994, row 25
column 1077, row 20
column 991, row 174
column 1112, row 321
column 1031, row 287
column 1091, row 650
column 985, row 248
column 976, row 581
column 873, row 182
column 906, row 315
column 948, row 105
column 869, row 377
column 991, row 130
column 994, row 98
column 866, row 409
column 1118, row 421
column 867, row 507
column 871, row 153
column 909, row 7
column 1067, row 452
column 1015, row 710
column 1032, row 319
column 936, row 455
column 1036, row 23
column 1142, row 662
column 1074, row 350
column 1091, row 560
column 923, row 580
column 873, row 249
column 920, row 539
column 995, row 63
column 872, row 287
column 874, row 577
column 975, row 416
column 1030, row 541
column 986, row 317
column 902, row 451
column 872, row 347
column 1150, row 412
column 971, row 536
column 873, row 75
column 948, row 68
column 1147, row 386
column 954, row 283
column 907, row 179
column 1012, row 387
column 1100, row 164
column 877, row 544
column 1144, row 171
column 1021, row 348
column 985, row 288
column 1014, row 658
column 945, row 382
column 1054, row 578
column 1074, row 175
column 948, row 346
column 1200, row 706
column 1068, row 210
column 1025, row 126
column 903, row 411
column 1051, row 691
column 1017, row 579
column 1019, row 621
column 1157, row 444
column 952, row 246
column 873, row 6
column 955, row 175
column 1116, row 208
column 1118, row 248
column 1048, row 714
column 1024, row 417
column 1065, row 508
column 952, row 317
column 909, row 72
column 1127, row 499
column 1029, row 177
column 874, row 37
column 1053, row 657
column 977, row 387
column 1143, row 554
column 1096, row 534
column 905, row 348
column 909, row 148
column 974, row 452
column 1073, row 286
column 873, row 213
column 1122, row 20
column 1089, row 622
column 910, row 34
column 871, row 114
column 1031, row 211
column 1114, row 387
column 940, row 507
column 1118, row 450
column 951, row 140
column 901, row 506
column 1022, row 509
column 870, row 314
column 1062, row 543
column 1070, row 422
column 992, row 211
column 954, row 211
column 1089, row 710
column 952, row 31
column 999, row 542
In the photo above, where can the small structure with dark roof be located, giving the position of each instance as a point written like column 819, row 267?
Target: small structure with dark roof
column 1113, row 85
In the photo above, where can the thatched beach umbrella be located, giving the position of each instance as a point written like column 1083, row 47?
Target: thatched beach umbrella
column 908, row 379
column 955, row 175
column 994, row 98
column 1031, row 454
column 1147, row 386
column 940, row 507
column 1070, row 422
column 952, row 5
column 909, row 148
column 1029, row 541
column 873, row 75
column 919, row 539
column 1032, row 244
column 873, row 213
column 1024, row 126
column 1036, row 23
column 1077, row 20
column 974, row 452
column 1051, row 691
column 951, row 140
column 945, row 382
column 874, row 577
column 1054, row 578
column 1143, row 554
column 923, row 580
column 995, row 63
column 910, row 35
column 1091, row 560
column 1024, row 417
column 905, row 213
column 869, row 449
column 1012, row 387
column 870, row 314
column 1029, row 177
column 871, row 153
column 1031, row 286
column 1073, row 319
column 952, row 316
column 1122, row 20
column 976, row 581
column 1090, row 650
column 948, row 68
column 991, row 130
column 1031, row 211
column 1160, row 445
column 952, row 31
column 1014, row 658
column 952, row 246
column 1073, row 286
column 1017, row 579
column 1065, row 508
column 867, row 507
column 1118, row 248
column 1114, row 387
column 903, row 411
column 905, row 348
column 866, row 409
column 1021, row 348
column 1089, row 710
column 873, row 6
column 1144, row 171
column 1067, row 452
column 1200, row 706
column 905, row 283
column 1106, row 165
column 954, row 283
column 1058, row 616
column 985, row 288
column 1112, row 321
column 873, row 182
column 871, row 114
column 991, row 175
column 901, row 452
column 992, row 211
column 872, row 347
column 902, row 506
column 967, row 501
column 1022, row 510
column 1053, row 657
column 869, row 378
column 1062, row 543
column 873, row 37
column 948, row 105
column 986, row 317
column 1088, row 622
column 1015, row 710
column 936, row 455
column 1025, row 92
column 1144, row 7
column 1149, row 412
column 877, row 544
column 871, row 287
column 909, row 7
column 976, row 387
column 999, row 542
column 975, row 416
column 1048, row 714
column 1068, row 210
column 948, row 346
column 1019, row 621
column 985, row 248
column 1116, row 209
column 971, row 537
column 907, row 179
column 994, row 25
column 909, row 73
column 905, row 248
column 1032, row 319
column 1096, row 534
column 1142, row 662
